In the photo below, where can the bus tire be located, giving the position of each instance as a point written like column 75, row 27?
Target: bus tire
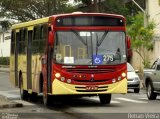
column 34, row 97
column 23, row 93
column 105, row 98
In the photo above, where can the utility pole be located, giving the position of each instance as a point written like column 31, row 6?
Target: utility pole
column 145, row 12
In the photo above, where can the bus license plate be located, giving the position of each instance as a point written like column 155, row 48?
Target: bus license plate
column 91, row 87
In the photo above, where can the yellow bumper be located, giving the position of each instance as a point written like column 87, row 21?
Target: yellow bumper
column 60, row 88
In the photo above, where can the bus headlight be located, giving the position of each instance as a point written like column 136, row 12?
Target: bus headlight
column 57, row 75
column 123, row 74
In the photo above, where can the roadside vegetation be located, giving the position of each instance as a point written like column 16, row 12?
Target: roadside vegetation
column 4, row 61
column 142, row 37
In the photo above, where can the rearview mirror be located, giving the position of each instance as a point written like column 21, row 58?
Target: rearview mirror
column 50, row 38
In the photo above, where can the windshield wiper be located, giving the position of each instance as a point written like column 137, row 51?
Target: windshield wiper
column 103, row 37
column 96, row 44
column 79, row 37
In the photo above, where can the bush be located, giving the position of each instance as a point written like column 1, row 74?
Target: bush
column 4, row 60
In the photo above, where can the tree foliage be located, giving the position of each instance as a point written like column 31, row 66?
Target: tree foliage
column 114, row 6
column 141, row 37
column 24, row 10
column 108, row 6
column 5, row 25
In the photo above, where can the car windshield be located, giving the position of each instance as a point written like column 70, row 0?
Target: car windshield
column 129, row 68
column 89, row 47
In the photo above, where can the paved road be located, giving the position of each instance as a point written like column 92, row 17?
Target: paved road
column 121, row 107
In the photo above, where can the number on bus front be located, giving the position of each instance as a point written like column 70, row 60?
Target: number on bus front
column 108, row 58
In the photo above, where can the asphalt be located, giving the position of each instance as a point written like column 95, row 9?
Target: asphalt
column 7, row 103
column 4, row 101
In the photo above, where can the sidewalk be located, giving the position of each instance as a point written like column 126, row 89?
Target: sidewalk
column 4, row 69
column 5, row 103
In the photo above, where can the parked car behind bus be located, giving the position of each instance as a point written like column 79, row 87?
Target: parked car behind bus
column 152, row 80
column 133, row 79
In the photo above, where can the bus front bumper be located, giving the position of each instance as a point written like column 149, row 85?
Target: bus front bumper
column 61, row 88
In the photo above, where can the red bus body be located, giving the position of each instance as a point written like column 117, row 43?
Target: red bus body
column 56, row 78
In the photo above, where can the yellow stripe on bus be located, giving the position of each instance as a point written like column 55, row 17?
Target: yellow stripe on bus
column 60, row 88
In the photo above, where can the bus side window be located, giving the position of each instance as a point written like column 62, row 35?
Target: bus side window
column 22, row 43
column 17, row 42
column 12, row 42
column 35, row 41
column 43, row 37
column 25, row 40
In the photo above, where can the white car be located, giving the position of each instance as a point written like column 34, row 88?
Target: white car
column 133, row 79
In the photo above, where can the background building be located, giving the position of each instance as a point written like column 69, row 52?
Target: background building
column 152, row 9
column 5, row 40
column 154, row 14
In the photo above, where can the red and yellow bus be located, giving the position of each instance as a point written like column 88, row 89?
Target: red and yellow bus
column 80, row 54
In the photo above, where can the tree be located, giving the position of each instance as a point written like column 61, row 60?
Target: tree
column 108, row 6
column 5, row 25
column 115, row 7
column 89, row 5
column 141, row 37
column 25, row 10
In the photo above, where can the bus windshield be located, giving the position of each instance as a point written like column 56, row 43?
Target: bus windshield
column 89, row 47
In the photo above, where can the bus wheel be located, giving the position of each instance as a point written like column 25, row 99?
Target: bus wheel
column 34, row 97
column 105, row 98
column 23, row 93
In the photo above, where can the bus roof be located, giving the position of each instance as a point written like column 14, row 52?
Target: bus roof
column 46, row 19
column 30, row 23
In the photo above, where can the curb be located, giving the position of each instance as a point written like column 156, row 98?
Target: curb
column 12, row 105
column 4, row 68
column 6, row 103
column 4, row 71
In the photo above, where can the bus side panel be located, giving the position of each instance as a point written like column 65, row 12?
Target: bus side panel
column 22, row 68
column 36, row 69
column 12, row 69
